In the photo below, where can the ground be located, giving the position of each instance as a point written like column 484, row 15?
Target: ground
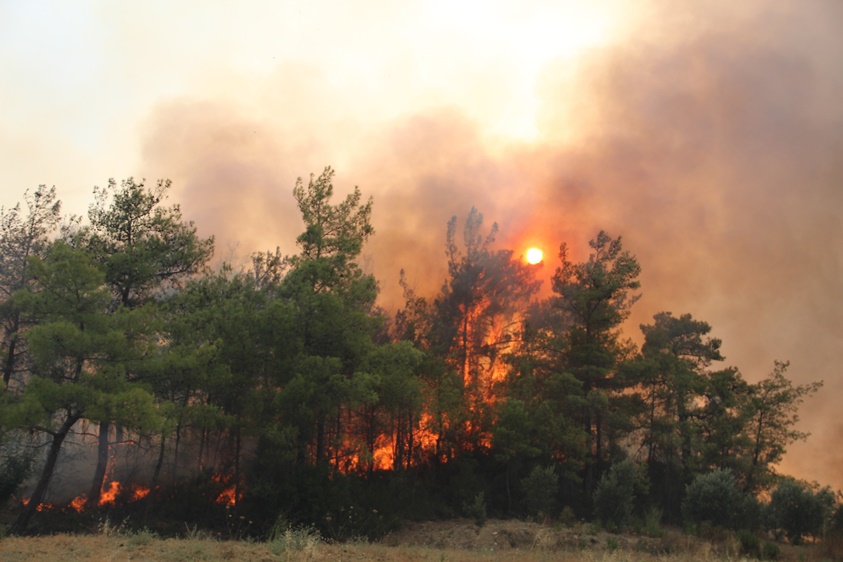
column 457, row 540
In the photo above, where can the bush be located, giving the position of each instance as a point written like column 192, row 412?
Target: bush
column 714, row 499
column 476, row 509
column 750, row 544
column 798, row 509
column 618, row 493
column 540, row 489
column 15, row 466
column 770, row 551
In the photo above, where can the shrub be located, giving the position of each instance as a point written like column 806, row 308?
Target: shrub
column 714, row 499
column 652, row 524
column 798, row 509
column 476, row 509
column 618, row 493
column 15, row 465
column 750, row 544
column 540, row 489
column 770, row 551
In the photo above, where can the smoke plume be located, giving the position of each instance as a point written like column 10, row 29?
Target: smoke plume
column 711, row 140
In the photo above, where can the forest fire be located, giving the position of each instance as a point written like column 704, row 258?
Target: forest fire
column 230, row 495
column 43, row 506
column 110, row 494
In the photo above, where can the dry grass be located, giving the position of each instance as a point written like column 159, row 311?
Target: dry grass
column 453, row 541
column 103, row 548
column 141, row 547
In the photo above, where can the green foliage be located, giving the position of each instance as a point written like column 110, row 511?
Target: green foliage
column 16, row 462
column 619, row 492
column 651, row 526
column 797, row 510
column 770, row 551
column 714, row 499
column 141, row 244
column 283, row 380
column 476, row 508
column 750, row 543
column 772, row 413
column 22, row 237
column 596, row 296
column 541, row 489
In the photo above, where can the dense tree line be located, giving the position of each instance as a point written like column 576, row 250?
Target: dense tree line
column 284, row 380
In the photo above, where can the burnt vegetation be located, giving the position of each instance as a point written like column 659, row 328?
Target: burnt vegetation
column 141, row 383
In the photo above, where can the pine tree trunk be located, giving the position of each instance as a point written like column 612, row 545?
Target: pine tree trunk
column 160, row 462
column 46, row 475
column 9, row 363
column 102, row 465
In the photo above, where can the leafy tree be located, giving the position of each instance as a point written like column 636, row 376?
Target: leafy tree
column 392, row 421
column 722, row 418
column 798, row 509
column 80, row 355
column 144, row 248
column 620, row 493
column 597, row 296
column 771, row 412
column 541, row 488
column 715, row 499
column 673, row 377
column 333, row 311
column 21, row 236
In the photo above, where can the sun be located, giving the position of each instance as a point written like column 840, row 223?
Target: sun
column 534, row 256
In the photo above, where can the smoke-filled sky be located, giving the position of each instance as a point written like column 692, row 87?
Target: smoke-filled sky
column 709, row 134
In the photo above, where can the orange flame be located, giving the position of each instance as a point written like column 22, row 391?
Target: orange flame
column 78, row 503
column 43, row 506
column 109, row 495
column 139, row 492
column 229, row 496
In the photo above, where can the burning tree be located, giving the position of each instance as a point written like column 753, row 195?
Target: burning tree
column 477, row 323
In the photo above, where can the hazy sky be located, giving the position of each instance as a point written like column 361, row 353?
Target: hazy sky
column 708, row 134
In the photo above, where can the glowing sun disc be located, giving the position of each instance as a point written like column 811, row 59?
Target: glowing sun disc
column 534, row 256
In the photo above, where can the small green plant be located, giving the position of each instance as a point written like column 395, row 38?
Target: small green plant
column 476, row 509
column 750, row 544
column 293, row 542
column 141, row 537
column 567, row 517
column 770, row 551
column 612, row 544
column 652, row 525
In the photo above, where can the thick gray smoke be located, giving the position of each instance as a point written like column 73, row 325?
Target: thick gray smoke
column 711, row 142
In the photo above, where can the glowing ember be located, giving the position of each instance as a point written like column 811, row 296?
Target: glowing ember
column 534, row 256
column 43, row 506
column 138, row 492
column 78, row 503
